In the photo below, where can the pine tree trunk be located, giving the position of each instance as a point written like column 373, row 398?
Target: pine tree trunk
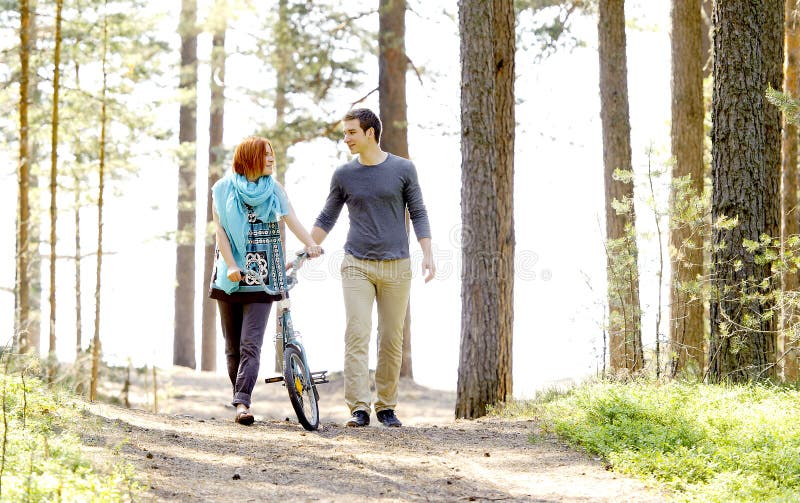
column 22, row 297
column 392, row 66
column 773, row 38
column 483, row 375
column 34, row 239
column 791, row 222
column 35, row 209
column 625, row 339
column 184, row 343
column 53, row 180
column 76, row 187
column 504, row 50
column 686, row 243
column 101, row 189
column 773, row 35
column 706, row 42
column 78, row 303
column 741, row 346
column 216, row 155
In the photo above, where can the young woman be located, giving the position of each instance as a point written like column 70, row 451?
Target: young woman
column 248, row 203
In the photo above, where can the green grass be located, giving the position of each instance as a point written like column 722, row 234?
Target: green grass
column 702, row 442
column 43, row 460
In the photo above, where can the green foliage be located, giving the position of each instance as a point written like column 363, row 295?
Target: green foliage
column 545, row 26
column 137, row 75
column 41, row 448
column 703, row 442
column 313, row 51
column 788, row 105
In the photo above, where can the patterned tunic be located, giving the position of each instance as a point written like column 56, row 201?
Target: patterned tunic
column 263, row 246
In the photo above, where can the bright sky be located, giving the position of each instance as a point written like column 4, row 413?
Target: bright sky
column 560, row 278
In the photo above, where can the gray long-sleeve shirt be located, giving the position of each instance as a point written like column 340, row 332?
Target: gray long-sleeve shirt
column 376, row 198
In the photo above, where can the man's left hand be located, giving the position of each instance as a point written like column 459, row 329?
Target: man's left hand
column 428, row 267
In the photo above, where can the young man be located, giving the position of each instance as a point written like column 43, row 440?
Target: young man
column 377, row 188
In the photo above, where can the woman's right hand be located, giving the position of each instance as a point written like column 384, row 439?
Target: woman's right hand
column 234, row 274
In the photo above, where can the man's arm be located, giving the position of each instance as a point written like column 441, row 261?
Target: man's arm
column 428, row 264
column 330, row 213
column 412, row 195
column 310, row 246
column 318, row 235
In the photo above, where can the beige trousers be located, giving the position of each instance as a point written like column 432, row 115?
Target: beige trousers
column 364, row 282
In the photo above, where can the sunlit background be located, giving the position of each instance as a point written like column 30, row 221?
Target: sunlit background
column 559, row 208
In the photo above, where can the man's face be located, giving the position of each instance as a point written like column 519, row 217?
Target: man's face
column 354, row 136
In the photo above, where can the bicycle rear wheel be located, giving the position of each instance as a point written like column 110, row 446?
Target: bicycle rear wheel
column 300, row 386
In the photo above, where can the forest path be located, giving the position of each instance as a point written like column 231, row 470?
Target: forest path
column 193, row 451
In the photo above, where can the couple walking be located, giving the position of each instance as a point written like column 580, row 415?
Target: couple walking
column 377, row 187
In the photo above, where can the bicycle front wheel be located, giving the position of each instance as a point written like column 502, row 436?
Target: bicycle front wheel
column 300, row 386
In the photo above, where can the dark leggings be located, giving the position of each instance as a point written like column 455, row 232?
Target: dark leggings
column 243, row 327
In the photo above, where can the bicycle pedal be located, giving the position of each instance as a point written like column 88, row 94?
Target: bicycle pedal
column 274, row 379
column 320, row 377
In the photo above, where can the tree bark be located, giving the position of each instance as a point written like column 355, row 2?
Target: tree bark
column 184, row 343
column 101, row 188
column 742, row 343
column 505, row 125
column 773, row 39
column 483, row 374
column 22, row 297
column 707, row 43
column 78, row 302
column 686, row 242
column 625, row 339
column 791, row 224
column 76, row 191
column 216, row 155
column 53, row 180
column 392, row 67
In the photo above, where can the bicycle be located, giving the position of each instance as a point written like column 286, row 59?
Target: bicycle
column 300, row 382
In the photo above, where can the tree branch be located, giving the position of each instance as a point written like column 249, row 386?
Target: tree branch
column 322, row 133
column 411, row 63
column 363, row 98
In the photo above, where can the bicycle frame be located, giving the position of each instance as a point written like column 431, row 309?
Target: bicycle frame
column 287, row 333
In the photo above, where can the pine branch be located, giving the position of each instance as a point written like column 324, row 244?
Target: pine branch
column 788, row 105
column 363, row 98
column 321, row 133
column 411, row 63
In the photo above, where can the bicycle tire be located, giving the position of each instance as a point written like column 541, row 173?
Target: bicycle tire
column 300, row 387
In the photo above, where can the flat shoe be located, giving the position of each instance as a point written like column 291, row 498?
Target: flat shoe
column 244, row 417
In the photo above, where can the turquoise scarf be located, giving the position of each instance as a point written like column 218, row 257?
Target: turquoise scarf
column 231, row 193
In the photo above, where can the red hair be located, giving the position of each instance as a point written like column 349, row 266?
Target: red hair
column 250, row 156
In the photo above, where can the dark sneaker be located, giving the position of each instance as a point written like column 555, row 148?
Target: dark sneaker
column 388, row 418
column 359, row 418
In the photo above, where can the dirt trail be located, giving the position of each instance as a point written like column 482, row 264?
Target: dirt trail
column 193, row 451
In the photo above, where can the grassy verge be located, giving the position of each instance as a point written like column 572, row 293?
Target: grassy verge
column 40, row 450
column 704, row 443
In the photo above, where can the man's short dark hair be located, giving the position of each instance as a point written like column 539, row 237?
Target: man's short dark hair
column 366, row 119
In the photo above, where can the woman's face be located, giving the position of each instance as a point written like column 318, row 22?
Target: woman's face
column 269, row 162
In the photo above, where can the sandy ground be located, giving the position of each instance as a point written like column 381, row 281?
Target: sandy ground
column 193, row 451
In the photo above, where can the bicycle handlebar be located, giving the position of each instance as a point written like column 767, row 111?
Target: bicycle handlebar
column 291, row 278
